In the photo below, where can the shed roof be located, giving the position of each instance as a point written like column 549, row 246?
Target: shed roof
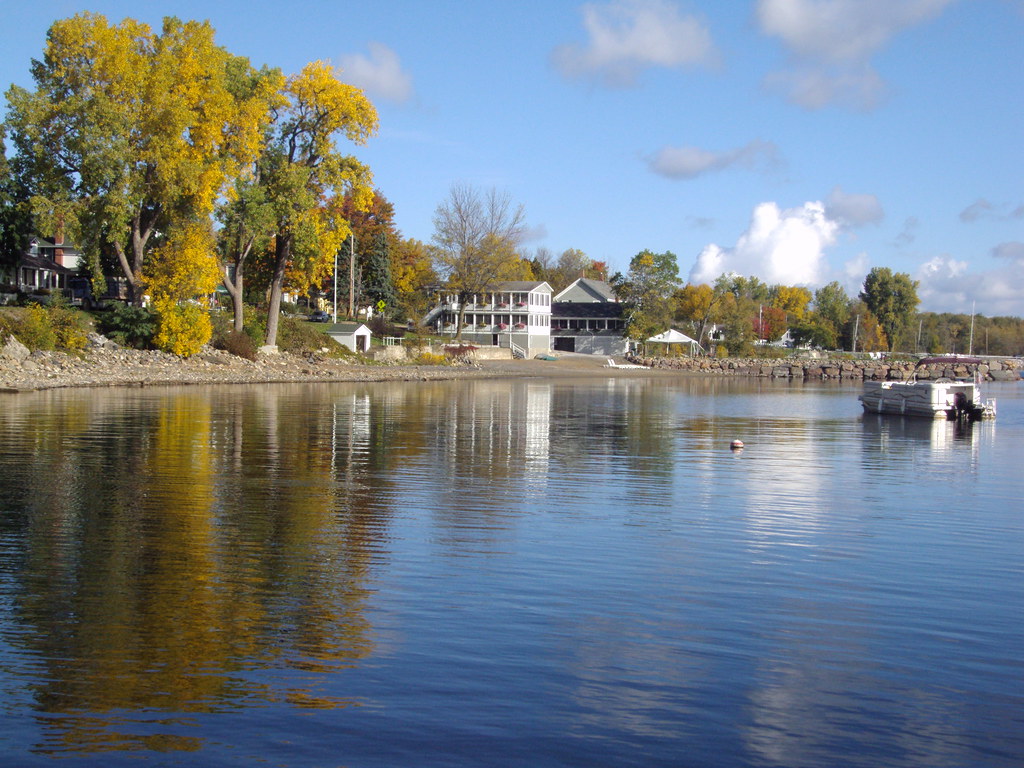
column 349, row 326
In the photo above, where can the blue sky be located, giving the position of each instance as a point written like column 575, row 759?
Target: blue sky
column 801, row 141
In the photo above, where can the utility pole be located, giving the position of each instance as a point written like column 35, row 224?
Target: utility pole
column 970, row 348
column 351, row 277
column 334, row 316
column 856, row 325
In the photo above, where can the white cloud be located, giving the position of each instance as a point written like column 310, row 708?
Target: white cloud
column 948, row 285
column 832, row 42
column 627, row 36
column 380, row 74
column 854, row 272
column 691, row 162
column 779, row 246
column 852, row 209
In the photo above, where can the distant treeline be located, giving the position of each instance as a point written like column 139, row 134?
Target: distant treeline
column 951, row 333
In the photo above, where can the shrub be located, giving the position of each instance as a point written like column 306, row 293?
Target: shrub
column 462, row 353
column 69, row 327
column 35, row 330
column 238, row 343
column 129, row 326
column 182, row 329
column 429, row 358
column 301, row 338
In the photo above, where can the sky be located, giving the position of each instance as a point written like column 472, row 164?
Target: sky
column 798, row 141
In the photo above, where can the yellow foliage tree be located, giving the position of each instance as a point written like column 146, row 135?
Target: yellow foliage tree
column 791, row 299
column 129, row 131
column 182, row 270
column 307, row 178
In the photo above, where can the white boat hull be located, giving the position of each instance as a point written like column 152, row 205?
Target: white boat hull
column 926, row 399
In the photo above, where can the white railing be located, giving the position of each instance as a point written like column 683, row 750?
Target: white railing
column 517, row 351
column 391, row 341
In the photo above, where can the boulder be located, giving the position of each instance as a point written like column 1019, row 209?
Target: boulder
column 13, row 349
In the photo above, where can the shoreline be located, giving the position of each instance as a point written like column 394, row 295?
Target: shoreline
column 105, row 366
column 102, row 367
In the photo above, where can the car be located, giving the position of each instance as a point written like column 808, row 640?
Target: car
column 319, row 317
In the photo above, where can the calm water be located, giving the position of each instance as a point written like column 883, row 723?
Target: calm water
column 508, row 573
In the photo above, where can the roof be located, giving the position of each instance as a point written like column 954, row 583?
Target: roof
column 672, row 336
column 585, row 309
column 595, row 290
column 348, row 327
column 41, row 262
column 521, row 285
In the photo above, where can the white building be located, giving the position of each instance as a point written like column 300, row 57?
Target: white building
column 515, row 315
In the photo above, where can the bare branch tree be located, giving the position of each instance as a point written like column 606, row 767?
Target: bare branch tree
column 476, row 237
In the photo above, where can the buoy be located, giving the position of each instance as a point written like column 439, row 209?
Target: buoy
column 736, row 445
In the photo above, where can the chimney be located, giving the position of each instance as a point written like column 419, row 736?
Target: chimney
column 58, row 243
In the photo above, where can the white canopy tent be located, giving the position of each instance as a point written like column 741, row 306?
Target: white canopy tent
column 672, row 336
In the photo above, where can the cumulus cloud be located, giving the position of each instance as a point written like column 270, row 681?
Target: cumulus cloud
column 983, row 209
column 691, row 162
column 832, row 41
column 853, row 210
column 626, row 36
column 948, row 285
column 380, row 74
column 780, row 246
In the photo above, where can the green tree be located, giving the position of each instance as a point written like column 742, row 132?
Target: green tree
column 737, row 320
column 366, row 268
column 246, row 213
column 378, row 286
column 476, row 236
column 247, row 224
column 646, row 293
column 743, row 287
column 129, row 133
column 307, row 179
column 831, row 311
column 15, row 221
column 814, row 332
column 892, row 299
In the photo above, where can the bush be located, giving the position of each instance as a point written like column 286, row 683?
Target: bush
column 70, row 327
column 238, row 343
column 46, row 328
column 429, row 358
column 129, row 326
column 35, row 330
column 460, row 352
column 182, row 329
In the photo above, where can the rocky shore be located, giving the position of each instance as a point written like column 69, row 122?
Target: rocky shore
column 879, row 370
column 104, row 364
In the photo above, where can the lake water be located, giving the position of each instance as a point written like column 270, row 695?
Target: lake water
column 508, row 573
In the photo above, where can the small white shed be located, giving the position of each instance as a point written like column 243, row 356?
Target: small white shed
column 355, row 336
